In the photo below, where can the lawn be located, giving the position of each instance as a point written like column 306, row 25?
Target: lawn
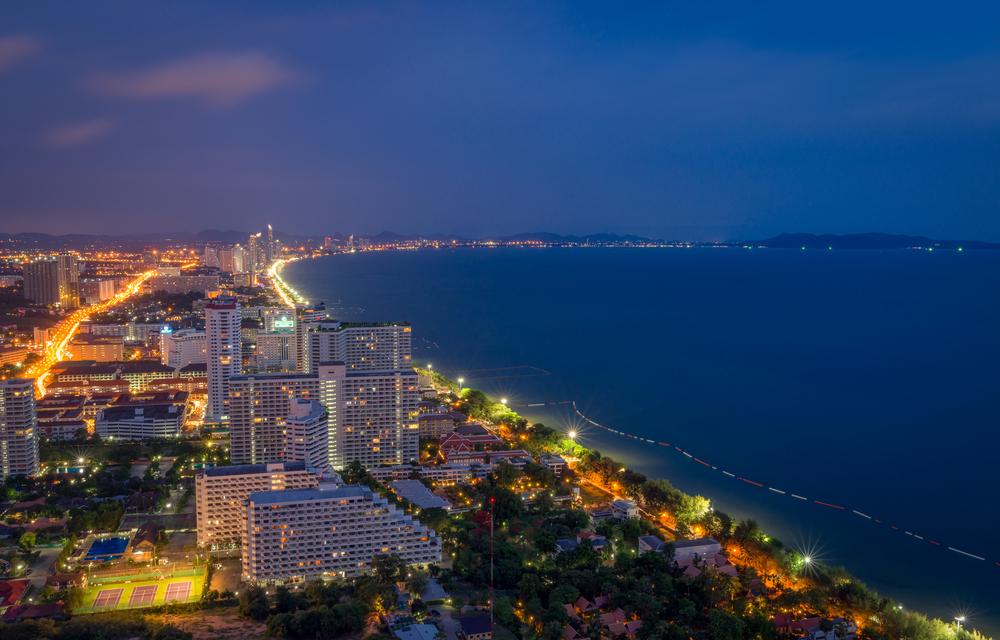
column 140, row 593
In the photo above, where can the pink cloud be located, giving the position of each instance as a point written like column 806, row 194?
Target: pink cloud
column 77, row 134
column 13, row 48
column 221, row 79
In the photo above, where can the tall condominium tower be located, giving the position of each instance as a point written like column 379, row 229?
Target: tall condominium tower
column 18, row 428
column 253, row 245
column 269, row 247
column 223, row 354
column 54, row 280
column 361, row 346
column 372, row 415
column 307, row 437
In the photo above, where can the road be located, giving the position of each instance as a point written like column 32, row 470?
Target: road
column 451, row 626
column 43, row 567
column 65, row 330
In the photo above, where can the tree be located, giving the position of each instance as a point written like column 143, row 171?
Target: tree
column 27, row 541
column 72, row 599
column 254, row 604
column 691, row 508
column 458, row 602
column 725, row 626
column 417, row 607
column 388, row 569
column 544, row 502
column 506, row 505
column 416, row 583
column 287, row 602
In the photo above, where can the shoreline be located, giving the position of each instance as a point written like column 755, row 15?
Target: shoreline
column 749, row 506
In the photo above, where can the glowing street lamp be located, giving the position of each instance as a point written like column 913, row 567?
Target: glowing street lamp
column 960, row 620
column 572, row 435
column 460, row 381
column 807, row 560
column 503, row 401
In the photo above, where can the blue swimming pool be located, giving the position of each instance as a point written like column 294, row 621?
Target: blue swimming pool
column 106, row 549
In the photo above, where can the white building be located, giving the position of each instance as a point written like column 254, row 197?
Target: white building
column 223, row 354
column 361, row 346
column 142, row 422
column 183, row 347
column 445, row 473
column 221, row 491
column 372, row 416
column 18, row 428
column 307, row 436
column 181, row 284
column 275, row 352
column 624, row 509
column 702, row 547
column 96, row 290
column 309, row 533
column 258, row 408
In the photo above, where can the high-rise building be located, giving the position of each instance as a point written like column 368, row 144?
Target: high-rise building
column 328, row 243
column 372, row 415
column 211, row 257
column 253, row 245
column 183, row 347
column 258, row 408
column 269, row 247
column 307, row 436
column 223, row 354
column 306, row 313
column 221, row 491
column 95, row 290
column 54, row 280
column 361, row 346
column 335, row 533
column 231, row 260
column 18, row 428
column 275, row 352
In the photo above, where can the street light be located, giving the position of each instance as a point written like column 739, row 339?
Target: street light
column 960, row 619
column 572, row 435
column 503, row 401
column 460, row 381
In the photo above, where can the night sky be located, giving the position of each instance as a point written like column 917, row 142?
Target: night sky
column 694, row 120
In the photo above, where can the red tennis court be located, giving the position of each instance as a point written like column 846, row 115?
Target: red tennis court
column 177, row 591
column 142, row 595
column 108, row 597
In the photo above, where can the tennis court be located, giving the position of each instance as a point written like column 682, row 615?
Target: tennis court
column 177, row 591
column 143, row 594
column 108, row 597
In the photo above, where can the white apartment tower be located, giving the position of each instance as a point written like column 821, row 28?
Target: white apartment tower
column 372, row 415
column 361, row 346
column 18, row 428
column 308, row 533
column 258, row 408
column 182, row 347
column 221, row 491
column 307, row 437
column 223, row 354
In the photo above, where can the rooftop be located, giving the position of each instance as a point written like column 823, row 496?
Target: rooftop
column 250, row 469
column 418, row 494
column 475, row 625
column 303, row 495
column 700, row 542
column 149, row 412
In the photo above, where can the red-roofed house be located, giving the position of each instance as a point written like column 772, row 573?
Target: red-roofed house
column 11, row 591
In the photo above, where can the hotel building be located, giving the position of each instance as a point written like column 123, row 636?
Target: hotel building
column 183, row 347
column 18, row 428
column 307, row 435
column 223, row 354
column 220, row 493
column 361, row 346
column 308, row 533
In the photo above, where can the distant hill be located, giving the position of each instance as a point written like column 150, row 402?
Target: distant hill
column 866, row 241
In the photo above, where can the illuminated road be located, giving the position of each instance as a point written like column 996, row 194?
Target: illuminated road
column 287, row 293
column 66, row 329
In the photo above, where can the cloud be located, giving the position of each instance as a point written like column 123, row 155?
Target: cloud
column 13, row 48
column 221, row 79
column 76, row 134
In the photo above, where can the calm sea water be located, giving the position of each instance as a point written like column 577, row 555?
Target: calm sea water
column 866, row 379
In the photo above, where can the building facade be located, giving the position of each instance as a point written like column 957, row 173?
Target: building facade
column 18, row 428
column 140, row 423
column 258, row 408
column 361, row 346
column 87, row 346
column 183, row 347
column 181, row 284
column 223, row 354
column 220, row 493
column 307, row 436
column 335, row 533
column 54, row 280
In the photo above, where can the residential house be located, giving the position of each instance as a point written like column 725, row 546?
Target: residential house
column 624, row 509
column 477, row 628
column 63, row 581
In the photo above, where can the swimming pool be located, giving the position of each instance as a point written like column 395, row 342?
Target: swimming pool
column 106, row 549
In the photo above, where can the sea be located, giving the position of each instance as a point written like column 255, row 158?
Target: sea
column 853, row 395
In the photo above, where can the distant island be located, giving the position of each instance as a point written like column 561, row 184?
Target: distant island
column 866, row 241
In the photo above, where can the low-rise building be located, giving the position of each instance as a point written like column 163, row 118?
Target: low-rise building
column 11, row 354
column 418, row 494
column 702, row 547
column 221, row 491
column 477, row 628
column 554, row 462
column 142, row 422
column 306, row 533
column 624, row 509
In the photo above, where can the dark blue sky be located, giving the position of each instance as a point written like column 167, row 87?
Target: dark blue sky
column 696, row 120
